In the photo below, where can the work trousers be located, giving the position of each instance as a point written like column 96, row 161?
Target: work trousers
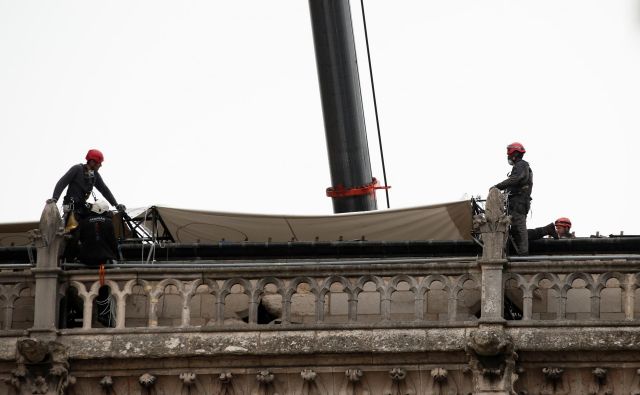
column 518, row 209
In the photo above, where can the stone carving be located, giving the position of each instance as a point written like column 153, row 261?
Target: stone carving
column 147, row 381
column 266, row 384
column 636, row 384
column 441, row 384
column 224, row 385
column 354, row 383
column 191, row 384
column 554, row 383
column 399, row 385
column 188, row 379
column 42, row 368
column 106, row 382
column 49, row 236
column 310, row 383
column 599, row 386
column 492, row 359
column 107, row 385
column 493, row 226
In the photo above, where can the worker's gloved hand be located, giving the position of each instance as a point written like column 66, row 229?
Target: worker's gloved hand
column 121, row 208
column 52, row 200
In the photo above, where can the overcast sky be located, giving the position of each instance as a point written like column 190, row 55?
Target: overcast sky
column 215, row 104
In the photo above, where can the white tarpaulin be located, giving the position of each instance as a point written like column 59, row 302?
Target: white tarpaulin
column 447, row 221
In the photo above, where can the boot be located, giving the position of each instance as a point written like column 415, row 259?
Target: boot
column 550, row 230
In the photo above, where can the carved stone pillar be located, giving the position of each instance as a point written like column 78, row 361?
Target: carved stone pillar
column 492, row 292
column 492, row 360
column 49, row 240
column 493, row 227
column 42, row 368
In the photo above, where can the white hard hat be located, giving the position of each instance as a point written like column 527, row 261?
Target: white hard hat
column 100, row 207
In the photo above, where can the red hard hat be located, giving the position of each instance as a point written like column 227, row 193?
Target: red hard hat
column 94, row 154
column 515, row 147
column 563, row 222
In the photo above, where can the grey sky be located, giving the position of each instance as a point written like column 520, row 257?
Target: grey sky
column 215, row 105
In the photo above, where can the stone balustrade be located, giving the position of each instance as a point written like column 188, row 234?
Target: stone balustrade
column 423, row 292
column 419, row 292
column 17, row 293
column 575, row 290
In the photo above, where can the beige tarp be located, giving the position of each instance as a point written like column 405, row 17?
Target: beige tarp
column 16, row 234
column 448, row 221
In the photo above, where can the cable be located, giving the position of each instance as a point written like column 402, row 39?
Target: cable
column 375, row 102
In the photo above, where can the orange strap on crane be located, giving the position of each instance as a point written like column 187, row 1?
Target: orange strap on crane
column 340, row 191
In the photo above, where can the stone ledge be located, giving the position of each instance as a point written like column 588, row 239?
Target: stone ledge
column 564, row 339
column 158, row 345
column 122, row 345
column 375, row 341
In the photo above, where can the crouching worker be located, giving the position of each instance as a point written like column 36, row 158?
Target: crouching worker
column 560, row 229
column 98, row 246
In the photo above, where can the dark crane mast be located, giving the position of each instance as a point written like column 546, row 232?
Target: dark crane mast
column 353, row 187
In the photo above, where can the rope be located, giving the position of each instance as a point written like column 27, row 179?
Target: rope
column 375, row 101
column 106, row 307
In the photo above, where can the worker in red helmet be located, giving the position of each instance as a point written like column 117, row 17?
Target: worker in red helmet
column 560, row 229
column 563, row 227
column 518, row 187
column 79, row 181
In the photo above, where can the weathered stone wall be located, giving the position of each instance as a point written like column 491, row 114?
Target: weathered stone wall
column 561, row 360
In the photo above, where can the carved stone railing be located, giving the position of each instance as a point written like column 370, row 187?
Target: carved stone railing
column 17, row 293
column 577, row 289
column 426, row 292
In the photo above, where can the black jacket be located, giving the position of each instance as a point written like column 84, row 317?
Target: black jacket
column 97, row 239
column 80, row 184
column 520, row 181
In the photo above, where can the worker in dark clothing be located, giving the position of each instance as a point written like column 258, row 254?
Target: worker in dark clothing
column 518, row 187
column 96, row 236
column 560, row 229
column 79, row 181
